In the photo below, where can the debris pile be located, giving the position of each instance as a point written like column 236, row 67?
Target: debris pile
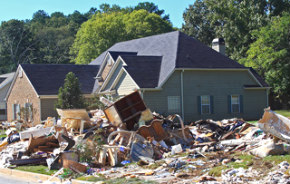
column 128, row 140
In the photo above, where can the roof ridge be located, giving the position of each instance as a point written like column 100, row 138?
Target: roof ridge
column 146, row 37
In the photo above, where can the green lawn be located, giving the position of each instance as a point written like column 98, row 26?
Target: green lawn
column 285, row 113
column 41, row 169
column 249, row 161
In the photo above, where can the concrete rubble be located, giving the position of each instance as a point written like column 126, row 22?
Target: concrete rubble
column 128, row 140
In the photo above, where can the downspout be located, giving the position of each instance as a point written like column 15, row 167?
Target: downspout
column 142, row 92
column 39, row 110
column 267, row 96
column 181, row 87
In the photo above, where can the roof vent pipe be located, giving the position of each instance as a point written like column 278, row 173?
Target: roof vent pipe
column 218, row 44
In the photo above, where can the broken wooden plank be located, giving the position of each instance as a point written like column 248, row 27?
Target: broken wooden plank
column 75, row 166
column 31, row 161
column 40, row 141
column 35, row 133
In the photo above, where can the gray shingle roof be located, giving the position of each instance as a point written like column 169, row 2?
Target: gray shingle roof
column 258, row 77
column 143, row 69
column 47, row 79
column 115, row 55
column 177, row 50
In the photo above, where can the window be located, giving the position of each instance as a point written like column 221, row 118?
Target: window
column 205, row 104
column 28, row 111
column 173, row 104
column 235, row 103
column 16, row 111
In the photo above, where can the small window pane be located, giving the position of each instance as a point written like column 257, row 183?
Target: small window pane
column 205, row 100
column 236, row 108
column 205, row 109
column 235, row 99
column 174, row 104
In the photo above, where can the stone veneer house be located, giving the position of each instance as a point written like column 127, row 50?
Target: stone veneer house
column 37, row 85
column 176, row 73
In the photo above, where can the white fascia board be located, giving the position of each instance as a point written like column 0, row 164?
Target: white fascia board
column 117, row 79
column 111, row 72
column 104, row 63
column 251, row 74
column 107, row 92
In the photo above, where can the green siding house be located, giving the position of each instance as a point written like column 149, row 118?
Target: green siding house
column 176, row 73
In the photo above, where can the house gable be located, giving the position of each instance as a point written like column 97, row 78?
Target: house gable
column 21, row 92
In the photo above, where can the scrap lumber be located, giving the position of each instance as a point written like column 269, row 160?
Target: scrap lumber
column 34, row 143
column 155, row 130
column 75, row 166
column 30, row 161
column 35, row 133
column 275, row 124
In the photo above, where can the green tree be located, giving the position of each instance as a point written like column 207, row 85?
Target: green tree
column 152, row 8
column 16, row 44
column 55, row 36
column 104, row 29
column 197, row 24
column 70, row 96
column 233, row 20
column 270, row 55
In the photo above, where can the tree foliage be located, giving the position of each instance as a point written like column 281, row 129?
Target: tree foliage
column 16, row 43
column 70, row 96
column 104, row 29
column 48, row 38
column 270, row 54
column 233, row 20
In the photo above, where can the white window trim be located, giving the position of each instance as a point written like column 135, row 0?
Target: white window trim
column 235, row 104
column 201, row 104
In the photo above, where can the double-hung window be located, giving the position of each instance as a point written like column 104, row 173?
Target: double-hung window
column 235, row 104
column 205, row 104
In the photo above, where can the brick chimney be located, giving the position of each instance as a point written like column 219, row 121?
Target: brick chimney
column 218, row 44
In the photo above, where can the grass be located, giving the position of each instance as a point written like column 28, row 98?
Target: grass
column 115, row 181
column 217, row 171
column 247, row 161
column 285, row 113
column 2, row 133
column 277, row 159
column 40, row 169
column 253, row 122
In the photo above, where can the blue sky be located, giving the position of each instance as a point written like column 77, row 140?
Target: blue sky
column 24, row 9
